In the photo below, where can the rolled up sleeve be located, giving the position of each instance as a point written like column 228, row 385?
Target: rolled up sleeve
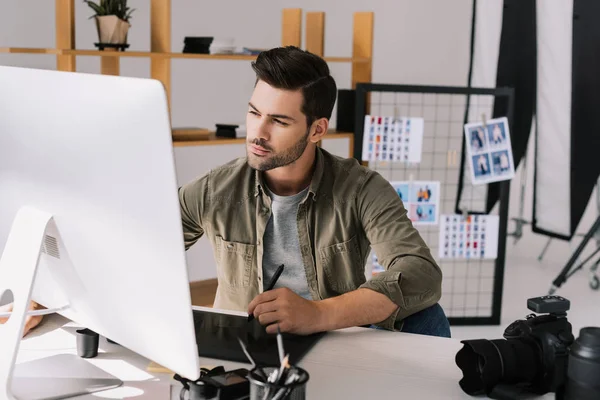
column 412, row 279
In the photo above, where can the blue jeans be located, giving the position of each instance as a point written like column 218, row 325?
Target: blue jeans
column 431, row 321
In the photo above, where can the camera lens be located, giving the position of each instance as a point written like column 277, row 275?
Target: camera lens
column 487, row 363
column 583, row 373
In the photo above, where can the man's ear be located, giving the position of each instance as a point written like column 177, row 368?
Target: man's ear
column 319, row 129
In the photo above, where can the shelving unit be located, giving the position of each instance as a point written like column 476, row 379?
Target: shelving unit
column 147, row 54
column 212, row 139
column 160, row 53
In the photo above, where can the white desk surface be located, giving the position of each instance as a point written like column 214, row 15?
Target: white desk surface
column 355, row 363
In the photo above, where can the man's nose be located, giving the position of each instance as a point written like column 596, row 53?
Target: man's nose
column 262, row 131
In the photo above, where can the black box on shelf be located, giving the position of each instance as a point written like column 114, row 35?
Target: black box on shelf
column 226, row 131
column 197, row 44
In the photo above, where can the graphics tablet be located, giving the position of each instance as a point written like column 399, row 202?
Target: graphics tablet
column 217, row 337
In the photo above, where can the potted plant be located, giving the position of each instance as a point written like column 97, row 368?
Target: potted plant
column 112, row 21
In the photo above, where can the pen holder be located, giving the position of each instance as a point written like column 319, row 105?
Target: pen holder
column 263, row 390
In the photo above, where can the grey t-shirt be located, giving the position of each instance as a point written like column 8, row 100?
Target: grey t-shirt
column 281, row 245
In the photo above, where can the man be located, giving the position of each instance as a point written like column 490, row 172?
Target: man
column 290, row 202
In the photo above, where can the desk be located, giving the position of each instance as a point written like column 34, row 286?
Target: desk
column 354, row 363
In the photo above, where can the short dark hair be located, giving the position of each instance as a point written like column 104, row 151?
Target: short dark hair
column 291, row 68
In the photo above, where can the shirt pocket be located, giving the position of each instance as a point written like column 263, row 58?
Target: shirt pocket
column 234, row 262
column 342, row 267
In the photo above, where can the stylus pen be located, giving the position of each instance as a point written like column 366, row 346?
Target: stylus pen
column 271, row 285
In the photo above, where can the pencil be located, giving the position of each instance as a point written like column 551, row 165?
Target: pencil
column 271, row 285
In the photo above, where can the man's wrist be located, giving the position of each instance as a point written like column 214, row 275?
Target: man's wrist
column 326, row 315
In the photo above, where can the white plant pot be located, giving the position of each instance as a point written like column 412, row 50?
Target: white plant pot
column 112, row 29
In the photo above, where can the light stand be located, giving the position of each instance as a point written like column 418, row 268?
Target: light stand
column 565, row 273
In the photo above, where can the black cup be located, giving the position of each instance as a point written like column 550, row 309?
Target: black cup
column 293, row 391
column 87, row 343
column 200, row 391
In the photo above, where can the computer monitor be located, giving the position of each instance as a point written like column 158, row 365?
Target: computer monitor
column 95, row 154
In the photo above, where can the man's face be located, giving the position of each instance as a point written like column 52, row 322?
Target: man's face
column 277, row 133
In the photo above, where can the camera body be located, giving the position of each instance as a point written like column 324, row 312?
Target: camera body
column 552, row 335
column 538, row 354
column 532, row 357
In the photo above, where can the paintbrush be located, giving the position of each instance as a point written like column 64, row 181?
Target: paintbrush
column 280, row 348
column 259, row 371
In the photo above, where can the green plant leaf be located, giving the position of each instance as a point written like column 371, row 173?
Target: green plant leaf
column 129, row 14
column 97, row 9
column 111, row 7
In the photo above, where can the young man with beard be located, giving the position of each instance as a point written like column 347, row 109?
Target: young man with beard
column 290, row 202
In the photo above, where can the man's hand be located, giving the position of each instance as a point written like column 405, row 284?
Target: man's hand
column 295, row 314
column 285, row 308
column 30, row 321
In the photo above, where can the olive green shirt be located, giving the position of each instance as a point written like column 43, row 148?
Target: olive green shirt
column 348, row 209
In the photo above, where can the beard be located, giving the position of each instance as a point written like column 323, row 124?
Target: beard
column 277, row 160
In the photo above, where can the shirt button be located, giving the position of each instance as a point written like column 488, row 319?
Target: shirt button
column 258, row 242
column 259, row 279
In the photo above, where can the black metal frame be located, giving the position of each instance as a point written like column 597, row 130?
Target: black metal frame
column 361, row 109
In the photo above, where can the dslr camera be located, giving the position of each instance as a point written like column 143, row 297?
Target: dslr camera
column 538, row 354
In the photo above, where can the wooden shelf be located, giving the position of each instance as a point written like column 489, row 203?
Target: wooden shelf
column 211, row 139
column 25, row 50
column 98, row 53
column 148, row 54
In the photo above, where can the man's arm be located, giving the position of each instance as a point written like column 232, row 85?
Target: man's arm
column 410, row 283
column 192, row 201
column 292, row 313
column 412, row 279
column 356, row 308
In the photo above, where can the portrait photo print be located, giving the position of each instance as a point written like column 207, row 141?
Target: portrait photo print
column 489, row 151
column 424, row 193
column 501, row 162
column 478, row 141
column 403, row 191
column 481, row 164
column 496, row 135
column 423, row 213
column 421, row 199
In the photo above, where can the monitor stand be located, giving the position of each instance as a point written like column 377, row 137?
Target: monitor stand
column 59, row 377
column 18, row 269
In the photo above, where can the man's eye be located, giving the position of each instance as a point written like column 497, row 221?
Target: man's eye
column 253, row 112
column 280, row 122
